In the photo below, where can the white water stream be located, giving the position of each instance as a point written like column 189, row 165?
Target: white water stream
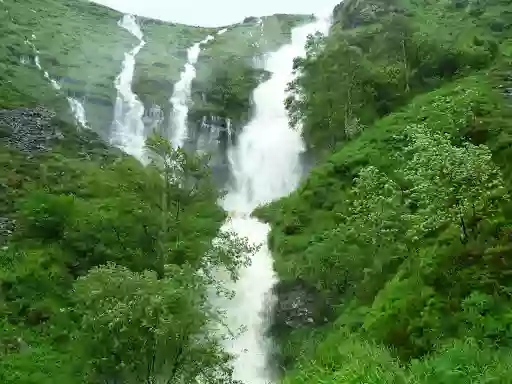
column 181, row 95
column 128, row 127
column 77, row 108
column 265, row 166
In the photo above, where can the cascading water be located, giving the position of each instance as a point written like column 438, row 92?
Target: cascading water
column 181, row 95
column 128, row 127
column 77, row 108
column 265, row 166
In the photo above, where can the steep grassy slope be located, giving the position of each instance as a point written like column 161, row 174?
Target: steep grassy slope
column 228, row 69
column 394, row 253
column 82, row 47
column 161, row 61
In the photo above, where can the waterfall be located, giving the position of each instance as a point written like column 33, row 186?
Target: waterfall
column 181, row 95
column 180, row 98
column 265, row 166
column 77, row 108
column 128, row 127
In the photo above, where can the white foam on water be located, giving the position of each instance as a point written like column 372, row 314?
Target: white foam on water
column 265, row 166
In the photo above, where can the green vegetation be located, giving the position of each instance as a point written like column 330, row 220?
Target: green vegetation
column 104, row 263
column 226, row 71
column 402, row 233
column 82, row 46
column 226, row 74
column 100, row 278
column 162, row 59
column 392, row 52
column 397, row 246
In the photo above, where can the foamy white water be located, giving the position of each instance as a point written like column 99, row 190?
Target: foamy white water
column 180, row 98
column 128, row 127
column 265, row 166
column 78, row 110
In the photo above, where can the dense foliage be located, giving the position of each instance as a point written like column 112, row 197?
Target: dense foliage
column 403, row 232
column 102, row 278
column 105, row 264
column 391, row 52
column 400, row 238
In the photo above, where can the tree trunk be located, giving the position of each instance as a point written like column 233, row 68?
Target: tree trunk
column 406, row 68
column 163, row 229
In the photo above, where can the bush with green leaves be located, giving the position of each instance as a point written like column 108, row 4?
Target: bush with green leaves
column 111, row 259
column 404, row 227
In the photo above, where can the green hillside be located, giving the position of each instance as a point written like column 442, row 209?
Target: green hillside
column 394, row 254
column 226, row 72
column 81, row 45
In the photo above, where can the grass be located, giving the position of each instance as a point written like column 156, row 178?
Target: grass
column 82, row 47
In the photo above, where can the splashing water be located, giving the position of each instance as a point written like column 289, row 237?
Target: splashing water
column 128, row 127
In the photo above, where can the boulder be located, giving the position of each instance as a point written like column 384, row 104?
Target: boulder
column 298, row 305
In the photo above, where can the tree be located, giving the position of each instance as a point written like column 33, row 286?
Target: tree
column 449, row 183
column 174, row 166
column 187, row 203
column 397, row 41
column 138, row 328
column 373, row 231
column 330, row 91
column 366, row 245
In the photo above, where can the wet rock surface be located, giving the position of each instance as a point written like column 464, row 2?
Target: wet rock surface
column 27, row 130
column 298, row 305
column 7, row 227
column 505, row 87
